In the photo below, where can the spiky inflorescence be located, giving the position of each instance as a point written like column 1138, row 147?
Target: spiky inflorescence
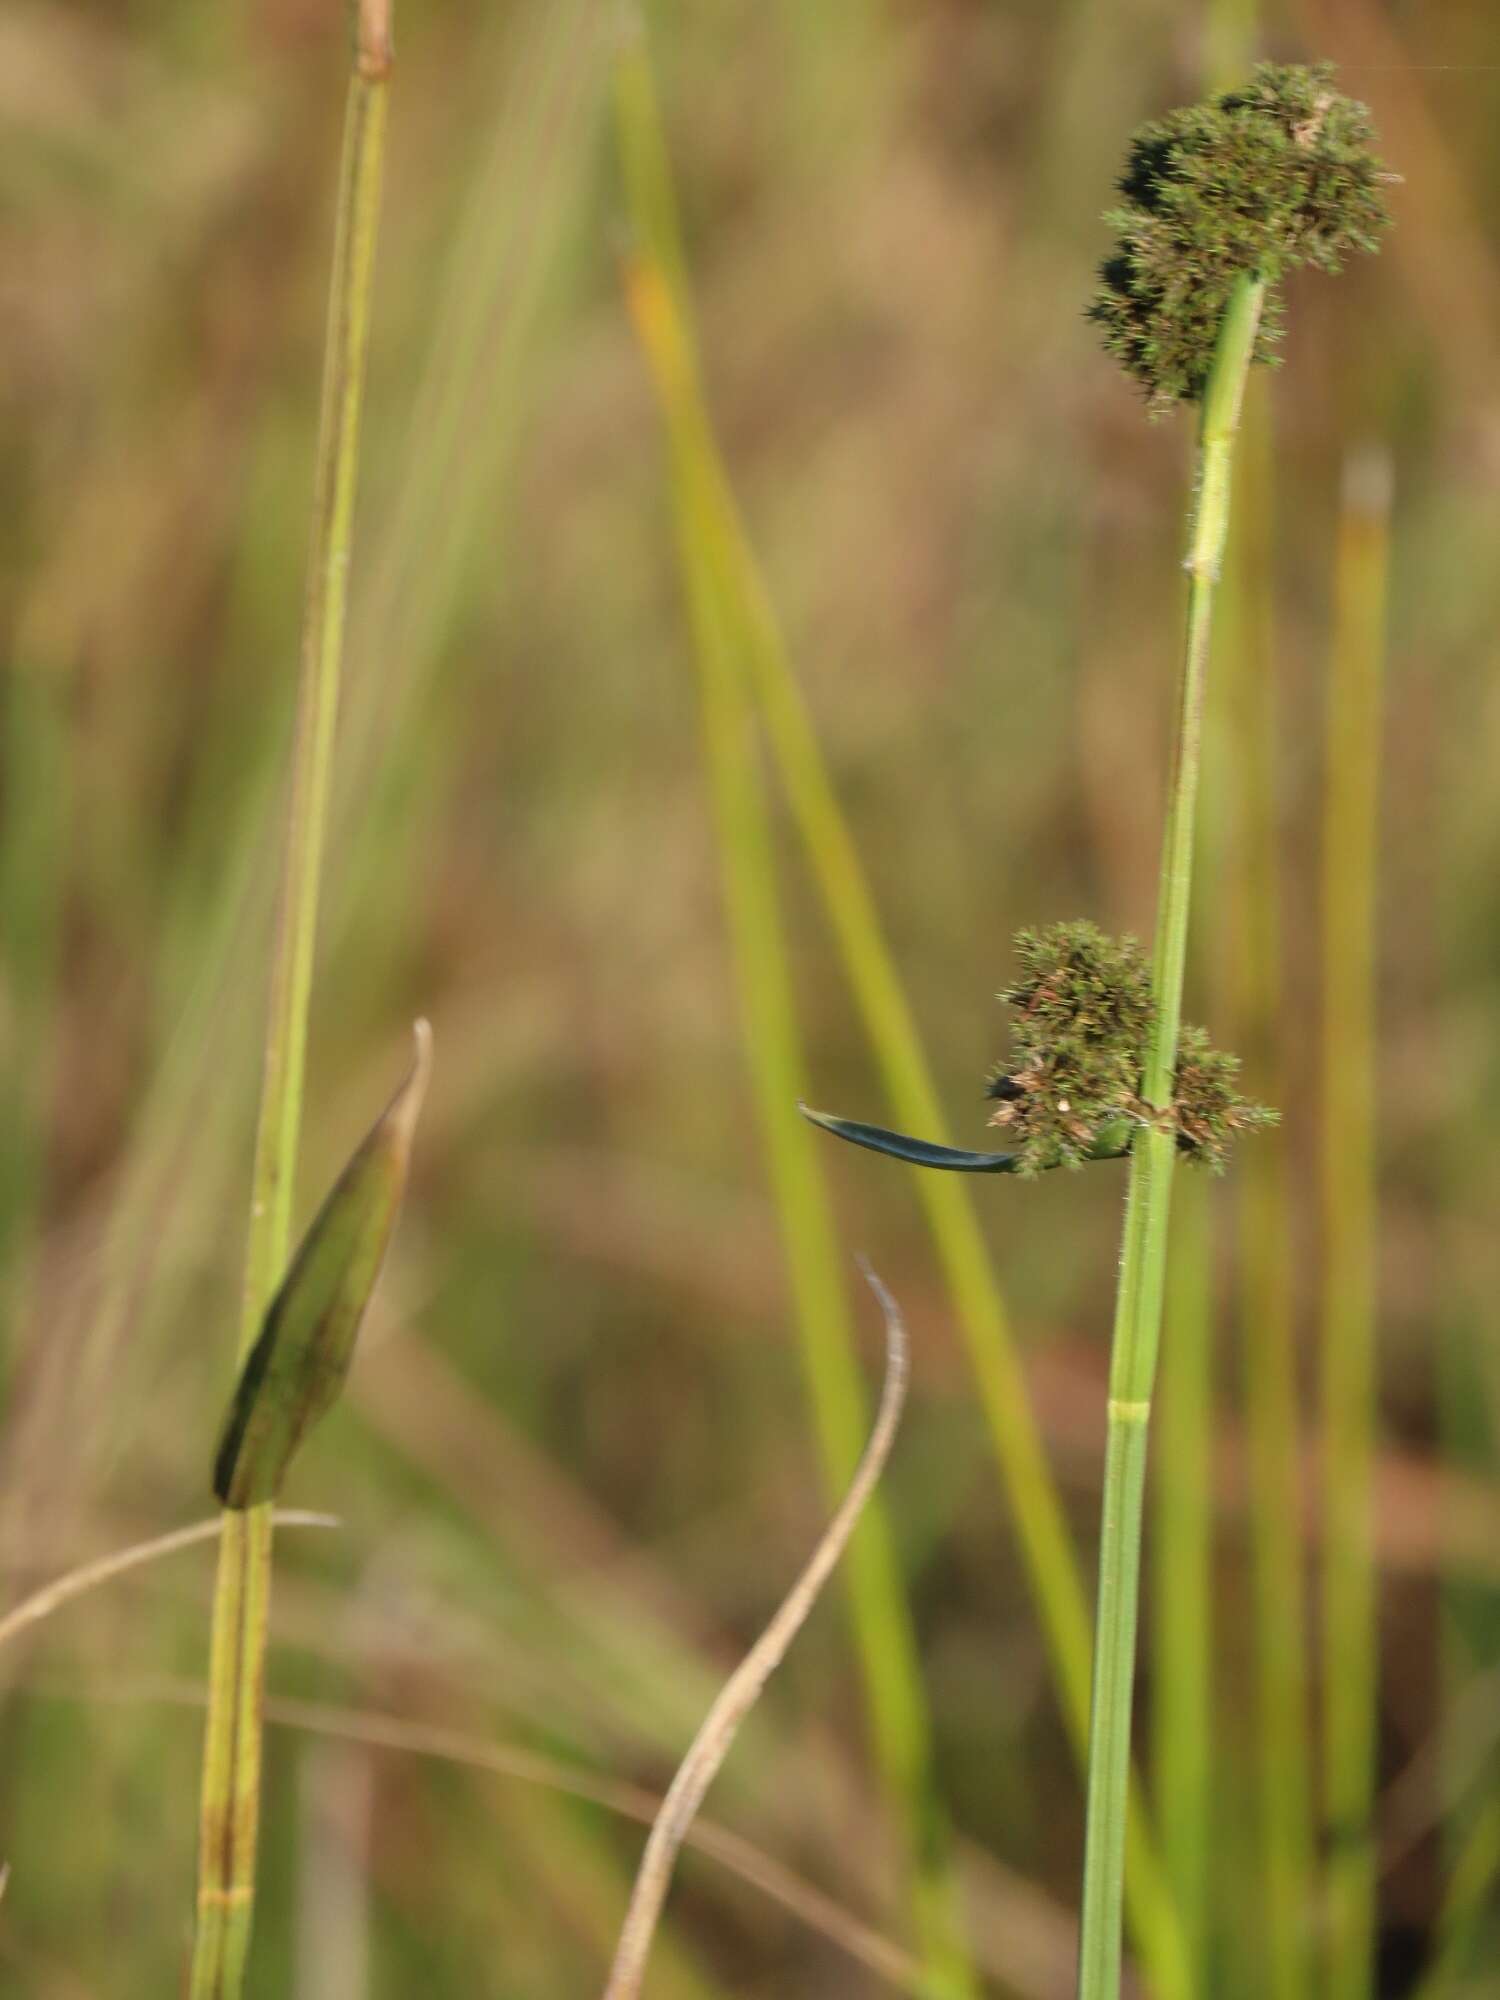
column 1084, row 1013
column 1277, row 174
column 1207, row 1104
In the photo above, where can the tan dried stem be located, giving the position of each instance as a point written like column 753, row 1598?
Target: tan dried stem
column 88, row 1576
column 373, row 34
column 740, row 1692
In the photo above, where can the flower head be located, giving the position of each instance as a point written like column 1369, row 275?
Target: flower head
column 1277, row 174
column 1207, row 1104
column 1082, row 1014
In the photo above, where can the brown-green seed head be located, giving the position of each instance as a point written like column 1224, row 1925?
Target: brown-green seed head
column 1277, row 174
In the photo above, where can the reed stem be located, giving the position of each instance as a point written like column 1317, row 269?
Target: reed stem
column 1182, row 1539
column 1350, row 873
column 230, row 1805
column 885, row 1641
column 1138, row 1308
column 1284, row 1763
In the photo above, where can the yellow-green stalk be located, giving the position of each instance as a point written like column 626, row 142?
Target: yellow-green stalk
column 1181, row 1518
column 1218, row 201
column 1138, row 1306
column 1182, row 1542
column 1349, row 1163
column 1254, row 1004
column 230, row 1809
column 1467, row 1910
column 885, row 1640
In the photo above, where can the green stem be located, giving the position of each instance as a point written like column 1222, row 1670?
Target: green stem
column 1138, row 1307
column 1466, row 1911
column 1182, row 1528
column 1263, row 1218
column 1350, row 870
column 230, row 1807
column 884, row 1636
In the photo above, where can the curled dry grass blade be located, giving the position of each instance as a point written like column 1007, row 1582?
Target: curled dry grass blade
column 103, row 1569
column 411, row 1736
column 740, row 1692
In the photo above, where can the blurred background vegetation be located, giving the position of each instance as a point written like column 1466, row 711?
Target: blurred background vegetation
column 577, row 1464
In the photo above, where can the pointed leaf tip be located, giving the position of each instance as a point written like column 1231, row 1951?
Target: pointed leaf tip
column 295, row 1370
column 406, row 1106
column 916, row 1152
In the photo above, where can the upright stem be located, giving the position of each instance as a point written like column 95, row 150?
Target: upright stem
column 1182, row 1531
column 230, row 1807
column 1263, row 1218
column 1350, row 874
column 1138, row 1306
column 884, row 1636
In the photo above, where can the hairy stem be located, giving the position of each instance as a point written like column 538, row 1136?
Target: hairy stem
column 1138, row 1308
column 230, row 1805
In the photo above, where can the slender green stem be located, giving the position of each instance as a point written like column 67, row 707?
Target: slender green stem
column 1138, row 1308
column 1230, row 33
column 1467, row 1911
column 1350, row 870
column 1284, row 1763
column 884, row 1636
column 230, row 1808
column 1182, row 1533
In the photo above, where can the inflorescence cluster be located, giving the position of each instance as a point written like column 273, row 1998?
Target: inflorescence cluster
column 1277, row 174
column 1083, row 1016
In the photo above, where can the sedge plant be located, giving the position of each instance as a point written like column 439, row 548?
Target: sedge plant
column 259, row 1435
column 1219, row 201
column 1181, row 1518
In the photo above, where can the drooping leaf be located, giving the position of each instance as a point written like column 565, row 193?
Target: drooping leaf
column 296, row 1368
column 1112, row 1142
column 918, row 1152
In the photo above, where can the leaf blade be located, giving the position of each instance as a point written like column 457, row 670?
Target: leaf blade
column 294, row 1372
column 916, row 1152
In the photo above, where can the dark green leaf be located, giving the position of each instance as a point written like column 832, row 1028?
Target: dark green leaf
column 917, row 1152
column 297, row 1366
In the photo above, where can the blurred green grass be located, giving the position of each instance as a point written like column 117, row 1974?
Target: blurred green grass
column 576, row 1466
